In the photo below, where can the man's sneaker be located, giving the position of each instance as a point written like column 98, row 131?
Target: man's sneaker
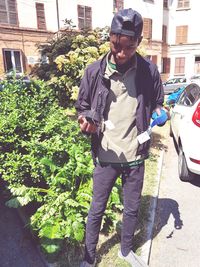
column 86, row 264
column 132, row 259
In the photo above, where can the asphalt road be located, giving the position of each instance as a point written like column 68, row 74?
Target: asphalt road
column 176, row 238
column 16, row 246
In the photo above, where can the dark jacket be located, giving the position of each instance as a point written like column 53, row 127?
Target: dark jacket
column 94, row 90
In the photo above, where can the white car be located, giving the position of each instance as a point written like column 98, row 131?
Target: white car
column 185, row 128
column 195, row 79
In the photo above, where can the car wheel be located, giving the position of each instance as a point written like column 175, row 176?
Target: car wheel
column 184, row 174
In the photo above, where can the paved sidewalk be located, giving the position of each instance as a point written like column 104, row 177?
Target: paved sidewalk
column 176, row 237
column 16, row 246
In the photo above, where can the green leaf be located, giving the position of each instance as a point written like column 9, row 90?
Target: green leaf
column 78, row 229
column 51, row 231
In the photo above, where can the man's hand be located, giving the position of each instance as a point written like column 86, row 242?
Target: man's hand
column 86, row 126
column 158, row 110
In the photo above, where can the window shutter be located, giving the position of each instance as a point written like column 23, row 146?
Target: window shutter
column 179, row 65
column 181, row 34
column 147, row 28
column 41, row 23
column 164, row 33
column 8, row 12
column 88, row 17
column 11, row 6
column 80, row 17
column 84, row 17
column 13, row 18
column 118, row 5
column 166, row 65
column 3, row 17
column 183, row 3
column 3, row 5
column 165, row 3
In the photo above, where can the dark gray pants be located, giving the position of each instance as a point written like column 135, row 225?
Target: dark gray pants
column 103, row 181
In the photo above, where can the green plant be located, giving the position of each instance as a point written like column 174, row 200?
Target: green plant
column 84, row 51
column 45, row 160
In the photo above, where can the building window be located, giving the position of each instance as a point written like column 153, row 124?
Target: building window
column 118, row 5
column 179, row 65
column 165, row 65
column 181, row 34
column 12, row 60
column 164, row 34
column 41, row 22
column 197, row 64
column 183, row 3
column 84, row 17
column 8, row 12
column 165, row 3
column 147, row 28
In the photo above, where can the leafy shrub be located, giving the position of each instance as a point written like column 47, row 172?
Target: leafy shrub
column 84, row 51
column 46, row 160
column 68, row 54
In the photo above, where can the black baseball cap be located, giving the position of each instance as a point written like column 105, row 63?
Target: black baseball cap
column 127, row 22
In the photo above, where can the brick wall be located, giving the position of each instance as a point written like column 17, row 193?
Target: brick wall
column 23, row 39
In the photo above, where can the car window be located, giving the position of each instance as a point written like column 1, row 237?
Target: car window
column 171, row 81
column 190, row 95
column 182, row 80
column 181, row 98
column 176, row 80
column 194, row 94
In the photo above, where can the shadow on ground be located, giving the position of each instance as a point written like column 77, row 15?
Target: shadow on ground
column 17, row 248
column 157, row 142
column 166, row 206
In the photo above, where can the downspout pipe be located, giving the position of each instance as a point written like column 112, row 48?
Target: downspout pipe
column 58, row 17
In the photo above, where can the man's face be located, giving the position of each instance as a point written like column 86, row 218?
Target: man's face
column 122, row 48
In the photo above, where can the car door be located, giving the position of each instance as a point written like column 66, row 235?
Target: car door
column 176, row 114
column 182, row 111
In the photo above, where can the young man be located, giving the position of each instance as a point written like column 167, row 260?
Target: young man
column 116, row 99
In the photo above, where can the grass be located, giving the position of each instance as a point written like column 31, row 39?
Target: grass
column 108, row 246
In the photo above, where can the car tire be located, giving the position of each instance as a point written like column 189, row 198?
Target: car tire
column 184, row 174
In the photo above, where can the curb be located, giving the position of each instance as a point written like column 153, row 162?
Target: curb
column 146, row 248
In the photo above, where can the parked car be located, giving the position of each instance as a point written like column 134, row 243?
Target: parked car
column 172, row 98
column 185, row 128
column 172, row 84
column 195, row 79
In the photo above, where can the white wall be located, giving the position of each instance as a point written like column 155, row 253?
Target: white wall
column 150, row 10
column 187, row 51
column 102, row 14
column 192, row 48
column 27, row 14
column 101, row 11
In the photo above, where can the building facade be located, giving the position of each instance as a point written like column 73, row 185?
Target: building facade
column 23, row 25
column 183, row 37
column 173, row 41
